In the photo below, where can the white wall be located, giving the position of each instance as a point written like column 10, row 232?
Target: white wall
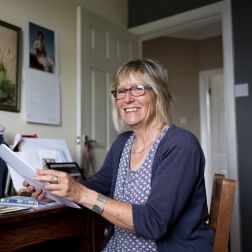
column 58, row 15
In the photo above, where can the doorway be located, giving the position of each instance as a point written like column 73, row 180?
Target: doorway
column 181, row 24
column 213, row 125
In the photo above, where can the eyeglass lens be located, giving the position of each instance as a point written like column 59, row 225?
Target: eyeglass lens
column 134, row 91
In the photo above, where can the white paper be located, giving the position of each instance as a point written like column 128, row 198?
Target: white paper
column 241, row 90
column 42, row 97
column 35, row 151
column 17, row 180
column 17, row 140
column 27, row 173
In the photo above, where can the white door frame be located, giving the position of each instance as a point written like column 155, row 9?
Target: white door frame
column 218, row 11
column 205, row 127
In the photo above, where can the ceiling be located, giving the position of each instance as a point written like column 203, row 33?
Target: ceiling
column 198, row 31
column 198, row 24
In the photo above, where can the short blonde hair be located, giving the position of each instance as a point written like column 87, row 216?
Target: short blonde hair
column 155, row 75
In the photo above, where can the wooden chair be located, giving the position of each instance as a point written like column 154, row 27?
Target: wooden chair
column 221, row 210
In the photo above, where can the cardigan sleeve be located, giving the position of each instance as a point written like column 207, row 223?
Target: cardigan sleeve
column 176, row 189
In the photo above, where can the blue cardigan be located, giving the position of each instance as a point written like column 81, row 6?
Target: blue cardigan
column 175, row 213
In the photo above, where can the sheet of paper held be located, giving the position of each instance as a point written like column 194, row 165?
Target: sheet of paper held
column 26, row 171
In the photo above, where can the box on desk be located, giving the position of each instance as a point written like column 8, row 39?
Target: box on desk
column 37, row 152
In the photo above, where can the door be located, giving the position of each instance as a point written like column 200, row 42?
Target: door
column 213, row 125
column 102, row 48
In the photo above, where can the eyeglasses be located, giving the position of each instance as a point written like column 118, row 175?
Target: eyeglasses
column 136, row 90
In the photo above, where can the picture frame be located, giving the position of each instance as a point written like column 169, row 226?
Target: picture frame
column 10, row 50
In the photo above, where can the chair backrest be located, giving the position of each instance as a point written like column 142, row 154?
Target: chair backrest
column 221, row 210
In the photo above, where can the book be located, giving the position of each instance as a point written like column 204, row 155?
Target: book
column 22, row 201
column 12, row 209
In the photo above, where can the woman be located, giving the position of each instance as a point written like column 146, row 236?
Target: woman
column 44, row 61
column 153, row 175
column 39, row 45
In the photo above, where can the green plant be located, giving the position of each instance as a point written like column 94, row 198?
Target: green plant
column 7, row 88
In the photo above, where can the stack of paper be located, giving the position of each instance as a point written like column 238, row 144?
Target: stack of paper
column 25, row 201
column 27, row 172
column 36, row 152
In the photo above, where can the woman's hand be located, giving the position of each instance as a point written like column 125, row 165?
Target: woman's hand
column 60, row 184
column 36, row 193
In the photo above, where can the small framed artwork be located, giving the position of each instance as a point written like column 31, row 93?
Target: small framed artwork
column 9, row 67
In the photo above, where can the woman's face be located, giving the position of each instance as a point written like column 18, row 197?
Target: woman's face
column 136, row 112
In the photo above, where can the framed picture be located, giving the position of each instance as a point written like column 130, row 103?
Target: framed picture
column 9, row 67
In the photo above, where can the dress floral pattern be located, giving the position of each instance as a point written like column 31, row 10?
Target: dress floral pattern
column 133, row 187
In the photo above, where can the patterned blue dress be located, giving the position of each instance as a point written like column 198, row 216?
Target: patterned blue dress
column 133, row 187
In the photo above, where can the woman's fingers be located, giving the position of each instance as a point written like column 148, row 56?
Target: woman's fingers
column 50, row 172
column 60, row 184
column 25, row 183
column 29, row 188
column 38, row 194
column 49, row 176
column 55, row 181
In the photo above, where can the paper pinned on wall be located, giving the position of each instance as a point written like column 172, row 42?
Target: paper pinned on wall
column 42, row 97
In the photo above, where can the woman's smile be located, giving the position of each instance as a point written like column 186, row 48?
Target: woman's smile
column 128, row 110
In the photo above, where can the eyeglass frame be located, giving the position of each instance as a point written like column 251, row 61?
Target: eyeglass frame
column 144, row 86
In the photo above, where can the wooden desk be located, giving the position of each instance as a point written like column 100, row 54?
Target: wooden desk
column 56, row 229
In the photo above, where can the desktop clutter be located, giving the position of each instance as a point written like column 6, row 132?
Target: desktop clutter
column 28, row 154
column 3, row 168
